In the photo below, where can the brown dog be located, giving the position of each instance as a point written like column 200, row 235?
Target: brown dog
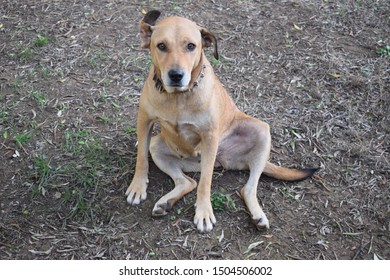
column 201, row 127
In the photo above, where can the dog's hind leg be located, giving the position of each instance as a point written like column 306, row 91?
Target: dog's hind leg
column 248, row 147
column 172, row 165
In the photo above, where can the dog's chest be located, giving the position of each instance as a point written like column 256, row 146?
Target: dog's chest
column 184, row 121
column 183, row 129
column 189, row 133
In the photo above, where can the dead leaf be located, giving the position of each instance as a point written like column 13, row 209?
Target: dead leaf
column 57, row 195
column 185, row 244
column 335, row 75
column 221, row 237
column 297, row 27
column 252, row 246
column 323, row 243
column 16, row 154
column 41, row 252
column 250, row 255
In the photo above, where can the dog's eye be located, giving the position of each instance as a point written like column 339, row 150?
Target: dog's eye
column 191, row 47
column 162, row 47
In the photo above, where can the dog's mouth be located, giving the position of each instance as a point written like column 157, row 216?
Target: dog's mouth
column 175, row 85
column 176, row 88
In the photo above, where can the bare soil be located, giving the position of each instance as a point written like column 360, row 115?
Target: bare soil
column 68, row 110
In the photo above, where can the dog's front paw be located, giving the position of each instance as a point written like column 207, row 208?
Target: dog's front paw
column 261, row 222
column 136, row 192
column 204, row 217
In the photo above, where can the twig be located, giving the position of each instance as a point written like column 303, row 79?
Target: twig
column 360, row 250
column 319, row 180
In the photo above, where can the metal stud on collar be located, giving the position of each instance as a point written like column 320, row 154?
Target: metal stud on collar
column 200, row 77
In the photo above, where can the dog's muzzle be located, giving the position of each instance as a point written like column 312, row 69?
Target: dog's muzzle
column 177, row 81
column 176, row 78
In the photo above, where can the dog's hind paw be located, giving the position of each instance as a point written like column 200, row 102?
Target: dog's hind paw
column 161, row 209
column 261, row 223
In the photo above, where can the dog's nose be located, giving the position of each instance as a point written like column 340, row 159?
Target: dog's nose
column 176, row 76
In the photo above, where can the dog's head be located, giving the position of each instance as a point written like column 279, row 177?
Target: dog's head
column 176, row 45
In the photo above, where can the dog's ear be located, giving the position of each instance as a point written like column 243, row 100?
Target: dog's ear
column 209, row 39
column 145, row 27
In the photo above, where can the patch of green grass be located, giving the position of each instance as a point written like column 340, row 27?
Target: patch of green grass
column 176, row 7
column 43, row 71
column 84, row 182
column 221, row 202
column 42, row 172
column 105, row 82
column 385, row 51
column 80, row 205
column 130, row 130
column 4, row 133
column 25, row 212
column 16, row 83
column 286, row 193
column 75, row 140
column 62, row 106
column 22, row 138
column 75, row 199
column 341, row 11
column 105, row 120
column 25, row 54
column 3, row 116
column 41, row 41
column 79, row 179
column 138, row 79
column 98, row 57
column 214, row 61
column 42, row 167
column 104, row 97
column 85, row 171
column 25, row 51
column 152, row 254
column 39, row 97
column 80, row 176
column 115, row 105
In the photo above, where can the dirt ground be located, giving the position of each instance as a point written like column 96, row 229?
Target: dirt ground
column 71, row 74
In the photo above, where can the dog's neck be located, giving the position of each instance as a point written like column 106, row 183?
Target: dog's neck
column 198, row 75
column 158, row 83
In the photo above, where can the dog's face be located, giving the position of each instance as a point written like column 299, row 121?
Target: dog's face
column 176, row 45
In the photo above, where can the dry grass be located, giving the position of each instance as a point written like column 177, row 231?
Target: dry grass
column 68, row 111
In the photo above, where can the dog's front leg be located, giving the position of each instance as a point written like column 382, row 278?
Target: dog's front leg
column 204, row 216
column 136, row 192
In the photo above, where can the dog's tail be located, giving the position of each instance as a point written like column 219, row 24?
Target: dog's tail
column 287, row 174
